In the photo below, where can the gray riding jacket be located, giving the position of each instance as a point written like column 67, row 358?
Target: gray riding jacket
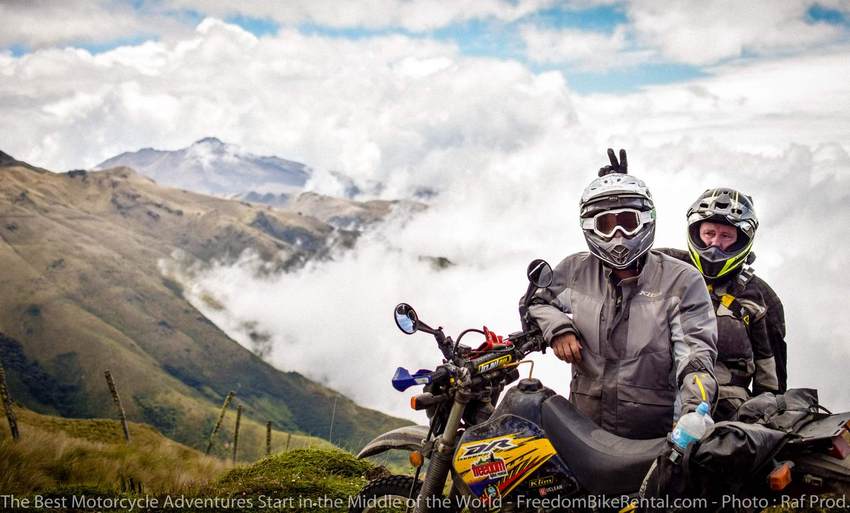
column 643, row 340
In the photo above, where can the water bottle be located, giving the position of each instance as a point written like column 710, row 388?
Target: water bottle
column 692, row 426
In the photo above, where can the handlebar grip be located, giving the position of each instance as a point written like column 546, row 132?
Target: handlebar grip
column 535, row 342
column 426, row 400
column 440, row 374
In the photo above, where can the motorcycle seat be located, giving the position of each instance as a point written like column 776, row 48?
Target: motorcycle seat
column 602, row 462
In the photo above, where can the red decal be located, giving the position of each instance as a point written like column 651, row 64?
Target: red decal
column 490, row 469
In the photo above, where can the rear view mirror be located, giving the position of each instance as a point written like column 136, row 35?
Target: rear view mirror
column 539, row 273
column 405, row 318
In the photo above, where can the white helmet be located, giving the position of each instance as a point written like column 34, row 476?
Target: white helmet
column 617, row 215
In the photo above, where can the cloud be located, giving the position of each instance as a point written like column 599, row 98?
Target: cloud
column 701, row 33
column 42, row 23
column 586, row 50
column 396, row 109
column 413, row 15
column 333, row 321
column 752, row 106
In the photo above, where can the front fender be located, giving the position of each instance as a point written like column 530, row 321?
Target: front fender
column 407, row 437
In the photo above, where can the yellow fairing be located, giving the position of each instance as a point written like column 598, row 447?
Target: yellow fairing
column 503, row 460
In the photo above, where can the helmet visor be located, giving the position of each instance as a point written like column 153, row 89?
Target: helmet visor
column 627, row 221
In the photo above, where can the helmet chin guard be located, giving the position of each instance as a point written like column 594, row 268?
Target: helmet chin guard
column 620, row 252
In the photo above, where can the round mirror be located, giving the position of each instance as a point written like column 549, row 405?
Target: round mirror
column 539, row 273
column 405, row 318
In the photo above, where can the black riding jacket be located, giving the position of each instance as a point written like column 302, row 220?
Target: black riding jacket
column 751, row 348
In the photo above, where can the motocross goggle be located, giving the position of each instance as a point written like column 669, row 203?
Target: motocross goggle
column 628, row 221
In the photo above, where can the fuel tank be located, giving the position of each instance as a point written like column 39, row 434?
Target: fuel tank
column 525, row 400
column 508, row 458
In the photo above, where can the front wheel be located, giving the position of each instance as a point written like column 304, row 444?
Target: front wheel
column 386, row 494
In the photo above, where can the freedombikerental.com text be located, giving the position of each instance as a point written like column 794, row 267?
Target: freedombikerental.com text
column 682, row 503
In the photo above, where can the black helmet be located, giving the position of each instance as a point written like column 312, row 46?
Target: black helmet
column 724, row 206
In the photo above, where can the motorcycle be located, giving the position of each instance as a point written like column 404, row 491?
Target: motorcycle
column 535, row 451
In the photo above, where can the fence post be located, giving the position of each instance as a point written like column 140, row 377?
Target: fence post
column 236, row 431
column 7, row 405
column 333, row 417
column 220, row 418
column 121, row 415
column 268, row 438
column 288, row 439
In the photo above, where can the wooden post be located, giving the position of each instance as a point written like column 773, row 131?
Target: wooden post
column 288, row 439
column 236, row 431
column 333, row 417
column 7, row 405
column 268, row 438
column 121, row 415
column 220, row 418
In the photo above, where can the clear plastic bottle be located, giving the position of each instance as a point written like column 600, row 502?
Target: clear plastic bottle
column 692, row 426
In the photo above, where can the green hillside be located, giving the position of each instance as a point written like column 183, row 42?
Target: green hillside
column 63, row 459
column 83, row 292
column 55, row 454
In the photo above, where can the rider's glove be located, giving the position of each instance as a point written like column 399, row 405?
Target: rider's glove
column 616, row 167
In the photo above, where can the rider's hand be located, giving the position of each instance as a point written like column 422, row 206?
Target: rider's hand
column 567, row 347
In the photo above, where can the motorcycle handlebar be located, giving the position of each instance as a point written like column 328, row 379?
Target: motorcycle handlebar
column 439, row 375
column 528, row 341
column 524, row 342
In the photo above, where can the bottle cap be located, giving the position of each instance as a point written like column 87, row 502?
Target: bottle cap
column 703, row 408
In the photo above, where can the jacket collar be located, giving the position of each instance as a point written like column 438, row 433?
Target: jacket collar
column 647, row 272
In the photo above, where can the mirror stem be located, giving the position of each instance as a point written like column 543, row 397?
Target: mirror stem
column 528, row 294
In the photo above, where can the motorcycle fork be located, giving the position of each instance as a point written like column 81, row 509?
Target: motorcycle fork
column 441, row 456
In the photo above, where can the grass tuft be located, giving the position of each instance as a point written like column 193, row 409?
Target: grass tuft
column 298, row 481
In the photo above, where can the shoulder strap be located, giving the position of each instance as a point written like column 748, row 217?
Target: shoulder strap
column 744, row 309
column 724, row 297
column 744, row 276
column 735, row 306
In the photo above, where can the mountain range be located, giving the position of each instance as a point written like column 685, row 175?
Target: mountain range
column 83, row 292
column 210, row 166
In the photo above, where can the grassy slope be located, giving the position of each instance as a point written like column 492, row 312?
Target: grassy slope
column 83, row 293
column 56, row 454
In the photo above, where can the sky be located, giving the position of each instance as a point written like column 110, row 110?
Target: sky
column 503, row 107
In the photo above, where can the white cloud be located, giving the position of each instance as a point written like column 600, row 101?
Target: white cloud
column 693, row 32
column 42, row 23
column 414, row 15
column 511, row 150
column 753, row 106
column 697, row 32
column 375, row 108
column 589, row 51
